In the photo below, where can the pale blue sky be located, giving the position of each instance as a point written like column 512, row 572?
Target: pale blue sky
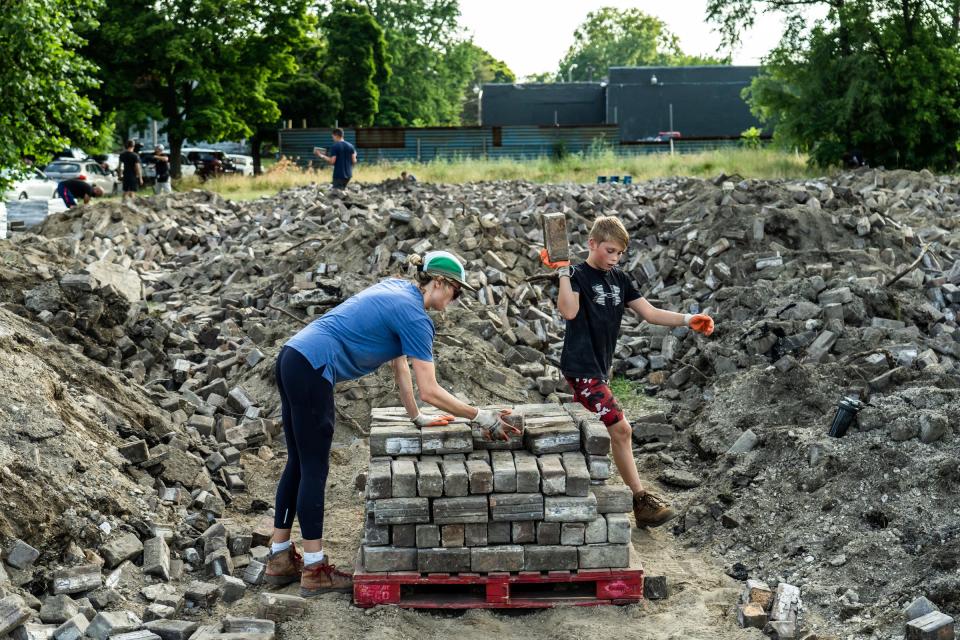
column 532, row 36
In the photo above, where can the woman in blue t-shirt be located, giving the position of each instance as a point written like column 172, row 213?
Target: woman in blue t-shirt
column 387, row 322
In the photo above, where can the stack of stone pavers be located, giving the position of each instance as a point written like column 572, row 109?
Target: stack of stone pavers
column 444, row 500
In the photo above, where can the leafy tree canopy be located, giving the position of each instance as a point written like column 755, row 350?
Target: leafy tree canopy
column 203, row 68
column 356, row 61
column 881, row 77
column 612, row 37
column 44, row 100
column 432, row 64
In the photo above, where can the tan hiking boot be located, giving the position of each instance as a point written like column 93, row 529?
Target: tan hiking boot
column 322, row 577
column 650, row 510
column 283, row 567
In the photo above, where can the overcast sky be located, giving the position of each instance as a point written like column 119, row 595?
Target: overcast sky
column 531, row 36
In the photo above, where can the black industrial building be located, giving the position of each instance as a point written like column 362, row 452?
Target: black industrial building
column 644, row 102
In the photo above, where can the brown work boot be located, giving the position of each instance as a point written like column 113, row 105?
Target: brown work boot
column 283, row 567
column 322, row 577
column 650, row 510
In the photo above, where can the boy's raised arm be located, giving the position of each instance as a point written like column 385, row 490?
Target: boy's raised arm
column 568, row 301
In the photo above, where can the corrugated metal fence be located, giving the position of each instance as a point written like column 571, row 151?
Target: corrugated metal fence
column 519, row 142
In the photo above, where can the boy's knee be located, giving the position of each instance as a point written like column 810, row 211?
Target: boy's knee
column 620, row 431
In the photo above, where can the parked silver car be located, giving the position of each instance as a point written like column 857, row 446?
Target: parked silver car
column 31, row 185
column 88, row 170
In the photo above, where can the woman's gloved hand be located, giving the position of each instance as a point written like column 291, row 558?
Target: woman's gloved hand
column 423, row 420
column 493, row 424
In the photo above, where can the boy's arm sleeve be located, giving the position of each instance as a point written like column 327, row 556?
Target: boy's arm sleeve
column 632, row 293
column 574, row 280
column 416, row 338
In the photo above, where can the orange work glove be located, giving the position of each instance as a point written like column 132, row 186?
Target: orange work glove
column 553, row 265
column 432, row 421
column 701, row 323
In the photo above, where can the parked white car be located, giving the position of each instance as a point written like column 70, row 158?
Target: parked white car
column 88, row 170
column 35, row 185
column 244, row 164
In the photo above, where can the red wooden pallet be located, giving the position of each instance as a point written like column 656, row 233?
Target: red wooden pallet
column 524, row 590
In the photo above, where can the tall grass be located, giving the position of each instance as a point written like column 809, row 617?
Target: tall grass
column 748, row 163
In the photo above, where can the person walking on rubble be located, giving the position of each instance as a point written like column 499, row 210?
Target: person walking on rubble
column 592, row 299
column 386, row 322
column 342, row 156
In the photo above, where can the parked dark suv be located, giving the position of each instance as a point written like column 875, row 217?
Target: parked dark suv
column 210, row 163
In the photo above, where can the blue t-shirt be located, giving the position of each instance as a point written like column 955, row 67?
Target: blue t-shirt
column 343, row 151
column 375, row 326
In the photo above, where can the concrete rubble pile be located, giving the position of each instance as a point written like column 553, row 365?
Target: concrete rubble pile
column 445, row 500
column 820, row 289
column 793, row 273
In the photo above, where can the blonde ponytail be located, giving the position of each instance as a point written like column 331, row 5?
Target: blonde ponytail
column 422, row 279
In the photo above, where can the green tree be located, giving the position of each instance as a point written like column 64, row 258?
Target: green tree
column 880, row 76
column 204, row 68
column 431, row 63
column 356, row 64
column 486, row 69
column 622, row 38
column 302, row 97
column 44, row 83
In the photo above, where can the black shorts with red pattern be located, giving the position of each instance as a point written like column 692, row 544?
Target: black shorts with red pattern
column 595, row 395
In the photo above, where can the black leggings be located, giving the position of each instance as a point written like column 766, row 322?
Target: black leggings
column 306, row 399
